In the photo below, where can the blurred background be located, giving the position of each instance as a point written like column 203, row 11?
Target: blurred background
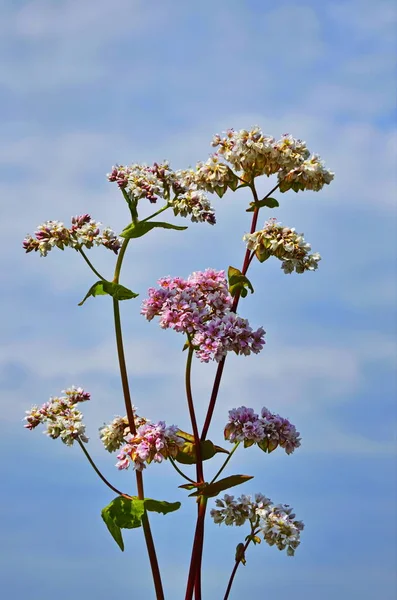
column 87, row 85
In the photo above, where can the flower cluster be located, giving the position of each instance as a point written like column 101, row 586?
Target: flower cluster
column 285, row 244
column 310, row 175
column 200, row 307
column 160, row 181
column 62, row 417
column 152, row 442
column 276, row 522
column 268, row 431
column 116, row 433
column 84, row 231
column 255, row 154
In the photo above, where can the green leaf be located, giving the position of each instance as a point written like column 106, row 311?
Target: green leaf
column 269, row 202
column 240, row 554
column 268, row 445
column 136, row 230
column 187, row 453
column 238, row 283
column 220, row 190
column 126, row 513
column 123, row 513
column 248, row 443
column 161, row 506
column 103, row 288
column 233, row 181
column 213, row 489
column 188, row 486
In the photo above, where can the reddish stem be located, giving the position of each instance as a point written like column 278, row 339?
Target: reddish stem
column 195, row 561
column 232, row 576
column 247, row 261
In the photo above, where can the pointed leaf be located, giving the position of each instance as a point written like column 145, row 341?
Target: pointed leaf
column 123, row 513
column 238, row 282
column 188, row 437
column 135, row 230
column 220, row 190
column 187, row 453
column 233, row 181
column 213, row 489
column 103, row 288
column 269, row 202
column 187, row 486
column 161, row 506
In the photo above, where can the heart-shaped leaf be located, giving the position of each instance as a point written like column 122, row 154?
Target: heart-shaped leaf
column 103, row 288
column 126, row 513
column 123, row 513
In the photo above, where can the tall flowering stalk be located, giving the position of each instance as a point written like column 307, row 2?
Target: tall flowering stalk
column 203, row 308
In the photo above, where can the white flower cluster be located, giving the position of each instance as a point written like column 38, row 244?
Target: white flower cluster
column 255, row 154
column 180, row 189
column 116, row 433
column 285, row 244
column 310, row 175
column 275, row 522
column 62, row 417
column 84, row 231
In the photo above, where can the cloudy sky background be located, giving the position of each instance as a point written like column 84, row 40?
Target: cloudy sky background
column 86, row 85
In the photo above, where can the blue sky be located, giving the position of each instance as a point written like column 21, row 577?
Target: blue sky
column 86, row 85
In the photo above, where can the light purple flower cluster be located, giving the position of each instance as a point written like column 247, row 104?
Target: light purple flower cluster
column 200, row 307
column 267, row 431
column 285, row 244
column 152, row 442
column 181, row 191
column 84, row 231
column 255, row 154
column 276, row 522
column 61, row 416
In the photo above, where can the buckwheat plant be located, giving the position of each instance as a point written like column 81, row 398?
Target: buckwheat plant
column 202, row 308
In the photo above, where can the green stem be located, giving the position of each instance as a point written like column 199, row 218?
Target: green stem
column 131, row 422
column 226, row 461
column 156, row 213
column 97, row 471
column 181, row 473
column 120, row 259
column 90, row 264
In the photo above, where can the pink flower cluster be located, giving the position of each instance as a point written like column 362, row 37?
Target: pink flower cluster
column 62, row 417
column 152, row 442
column 200, row 307
column 84, row 231
column 268, row 431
